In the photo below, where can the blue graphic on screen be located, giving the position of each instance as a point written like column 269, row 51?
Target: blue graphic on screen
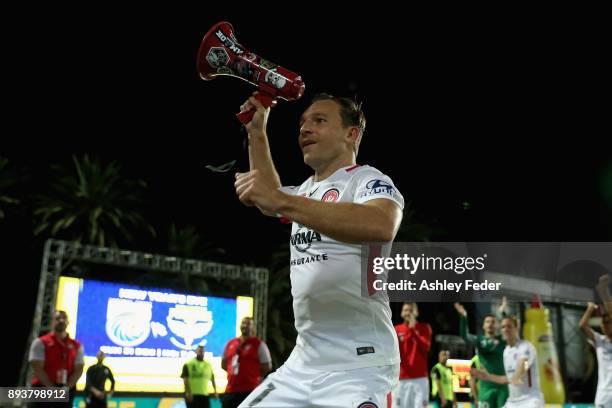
column 125, row 320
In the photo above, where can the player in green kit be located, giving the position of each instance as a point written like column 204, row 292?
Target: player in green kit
column 490, row 350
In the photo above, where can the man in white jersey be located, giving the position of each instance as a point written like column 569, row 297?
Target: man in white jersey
column 603, row 349
column 346, row 352
column 520, row 363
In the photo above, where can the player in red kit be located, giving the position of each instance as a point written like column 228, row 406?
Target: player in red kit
column 414, row 343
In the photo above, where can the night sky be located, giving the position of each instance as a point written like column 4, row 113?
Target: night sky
column 490, row 131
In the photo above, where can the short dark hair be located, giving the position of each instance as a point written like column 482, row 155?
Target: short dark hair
column 350, row 112
column 253, row 328
column 489, row 315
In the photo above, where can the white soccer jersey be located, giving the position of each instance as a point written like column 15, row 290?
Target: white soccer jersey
column 603, row 348
column 338, row 329
column 530, row 388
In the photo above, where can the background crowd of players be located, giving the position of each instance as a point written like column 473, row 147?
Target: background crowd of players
column 504, row 370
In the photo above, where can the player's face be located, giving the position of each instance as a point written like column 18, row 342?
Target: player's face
column 60, row 322
column 200, row 352
column 246, row 327
column 508, row 329
column 408, row 311
column 489, row 324
column 323, row 138
column 100, row 356
column 443, row 356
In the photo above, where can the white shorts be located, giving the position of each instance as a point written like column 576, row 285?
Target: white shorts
column 297, row 386
column 525, row 403
column 412, row 393
column 603, row 399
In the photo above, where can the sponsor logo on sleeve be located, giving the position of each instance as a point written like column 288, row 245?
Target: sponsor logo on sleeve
column 377, row 186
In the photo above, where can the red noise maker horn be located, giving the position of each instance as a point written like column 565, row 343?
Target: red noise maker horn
column 221, row 54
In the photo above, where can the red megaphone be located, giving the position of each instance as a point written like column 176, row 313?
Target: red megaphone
column 221, row 54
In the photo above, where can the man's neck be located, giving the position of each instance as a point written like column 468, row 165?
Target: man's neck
column 61, row 335
column 323, row 171
column 490, row 335
column 513, row 341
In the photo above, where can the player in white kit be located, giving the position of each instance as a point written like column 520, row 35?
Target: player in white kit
column 520, row 363
column 346, row 352
column 603, row 349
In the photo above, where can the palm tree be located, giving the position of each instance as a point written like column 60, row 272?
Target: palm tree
column 185, row 242
column 91, row 203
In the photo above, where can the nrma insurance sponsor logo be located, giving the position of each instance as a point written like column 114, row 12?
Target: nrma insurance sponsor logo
column 303, row 238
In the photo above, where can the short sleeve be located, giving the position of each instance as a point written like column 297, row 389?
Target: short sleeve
column 599, row 339
column 37, row 351
column 435, row 374
column 372, row 185
column 264, row 353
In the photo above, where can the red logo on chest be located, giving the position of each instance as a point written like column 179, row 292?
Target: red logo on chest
column 331, row 196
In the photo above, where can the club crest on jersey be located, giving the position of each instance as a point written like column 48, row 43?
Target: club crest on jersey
column 331, row 196
column 367, row 404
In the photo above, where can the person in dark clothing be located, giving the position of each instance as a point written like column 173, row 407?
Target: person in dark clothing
column 96, row 378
